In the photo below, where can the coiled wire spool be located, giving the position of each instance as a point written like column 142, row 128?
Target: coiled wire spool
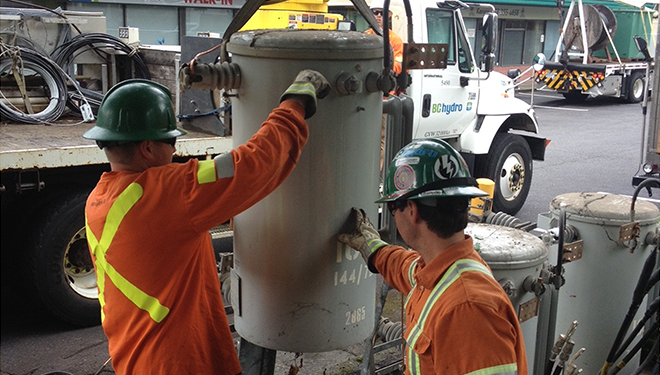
column 597, row 18
column 37, row 67
column 389, row 330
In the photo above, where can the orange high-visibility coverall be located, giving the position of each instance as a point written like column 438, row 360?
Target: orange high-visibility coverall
column 397, row 49
column 469, row 326
column 159, row 289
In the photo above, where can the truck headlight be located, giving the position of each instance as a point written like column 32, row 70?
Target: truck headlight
column 647, row 168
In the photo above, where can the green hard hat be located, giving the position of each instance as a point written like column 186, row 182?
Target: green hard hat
column 429, row 168
column 135, row 110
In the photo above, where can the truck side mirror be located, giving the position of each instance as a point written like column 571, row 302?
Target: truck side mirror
column 539, row 62
column 488, row 41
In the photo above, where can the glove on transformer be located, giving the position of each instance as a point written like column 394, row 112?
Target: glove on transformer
column 310, row 83
column 365, row 237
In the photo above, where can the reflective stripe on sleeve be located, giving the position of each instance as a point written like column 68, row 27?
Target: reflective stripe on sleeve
column 99, row 248
column 224, row 165
column 206, row 171
column 375, row 244
column 301, row 88
column 411, row 278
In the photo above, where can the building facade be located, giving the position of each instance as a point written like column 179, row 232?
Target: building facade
column 525, row 27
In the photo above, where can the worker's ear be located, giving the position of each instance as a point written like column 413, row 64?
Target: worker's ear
column 413, row 211
column 147, row 150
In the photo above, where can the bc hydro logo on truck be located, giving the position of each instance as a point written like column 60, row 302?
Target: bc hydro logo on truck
column 446, row 108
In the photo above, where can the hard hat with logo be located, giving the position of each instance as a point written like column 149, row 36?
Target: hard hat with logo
column 135, row 110
column 429, row 168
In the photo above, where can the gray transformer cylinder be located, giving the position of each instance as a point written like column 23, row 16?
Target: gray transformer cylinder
column 294, row 286
column 514, row 256
column 599, row 286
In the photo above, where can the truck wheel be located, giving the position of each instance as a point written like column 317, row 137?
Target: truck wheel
column 62, row 274
column 509, row 164
column 636, row 88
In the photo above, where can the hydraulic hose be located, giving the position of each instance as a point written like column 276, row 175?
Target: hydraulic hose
column 641, row 185
column 655, row 276
column 653, row 308
column 647, row 361
column 636, row 348
column 638, row 296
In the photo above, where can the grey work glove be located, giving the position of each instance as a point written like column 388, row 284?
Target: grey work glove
column 309, row 83
column 364, row 237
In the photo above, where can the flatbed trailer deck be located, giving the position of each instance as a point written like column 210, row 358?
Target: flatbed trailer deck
column 57, row 146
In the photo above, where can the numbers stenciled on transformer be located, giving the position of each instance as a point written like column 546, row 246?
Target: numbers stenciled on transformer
column 350, row 276
column 353, row 276
column 356, row 315
column 345, row 251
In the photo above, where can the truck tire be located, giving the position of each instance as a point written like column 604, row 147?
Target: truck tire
column 509, row 165
column 635, row 87
column 61, row 272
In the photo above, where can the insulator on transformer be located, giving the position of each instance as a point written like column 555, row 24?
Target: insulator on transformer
column 389, row 330
column 225, row 288
column 211, row 76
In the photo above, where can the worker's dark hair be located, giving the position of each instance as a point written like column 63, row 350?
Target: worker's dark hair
column 449, row 216
column 120, row 152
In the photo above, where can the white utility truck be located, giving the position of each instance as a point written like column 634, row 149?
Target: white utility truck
column 465, row 102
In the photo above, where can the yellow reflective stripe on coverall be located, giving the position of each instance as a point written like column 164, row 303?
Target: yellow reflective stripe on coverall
column 116, row 214
column 452, row 274
column 206, row 172
column 411, row 278
column 510, row 369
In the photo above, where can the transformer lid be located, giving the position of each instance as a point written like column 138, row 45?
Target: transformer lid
column 604, row 208
column 306, row 44
column 507, row 248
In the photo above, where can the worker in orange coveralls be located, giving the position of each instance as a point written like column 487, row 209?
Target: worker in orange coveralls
column 458, row 318
column 148, row 223
column 395, row 41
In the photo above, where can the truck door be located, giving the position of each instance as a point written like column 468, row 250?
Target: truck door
column 448, row 96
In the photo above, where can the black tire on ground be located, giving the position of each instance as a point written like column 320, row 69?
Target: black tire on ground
column 575, row 96
column 61, row 274
column 509, row 165
column 635, row 87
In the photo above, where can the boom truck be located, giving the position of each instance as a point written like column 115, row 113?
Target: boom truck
column 595, row 54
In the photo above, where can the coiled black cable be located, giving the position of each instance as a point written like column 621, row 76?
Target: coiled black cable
column 32, row 65
column 66, row 53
